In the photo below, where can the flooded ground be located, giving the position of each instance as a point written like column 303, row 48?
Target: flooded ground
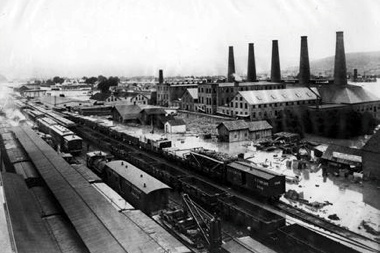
column 355, row 204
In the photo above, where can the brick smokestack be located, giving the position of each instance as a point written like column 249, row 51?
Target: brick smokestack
column 304, row 74
column 275, row 75
column 251, row 75
column 340, row 71
column 160, row 76
column 231, row 65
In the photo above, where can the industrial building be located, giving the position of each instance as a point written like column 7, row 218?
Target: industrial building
column 189, row 100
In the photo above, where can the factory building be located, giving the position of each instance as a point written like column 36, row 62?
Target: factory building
column 268, row 104
column 371, row 157
column 168, row 94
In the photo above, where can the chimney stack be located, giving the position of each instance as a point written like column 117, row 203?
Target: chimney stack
column 304, row 74
column 275, row 70
column 340, row 71
column 160, row 76
column 251, row 75
column 231, row 65
column 355, row 75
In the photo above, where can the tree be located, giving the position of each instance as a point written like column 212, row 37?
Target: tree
column 91, row 80
column 113, row 81
column 49, row 82
column 58, row 79
column 104, row 86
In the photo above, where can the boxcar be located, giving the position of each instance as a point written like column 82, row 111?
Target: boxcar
column 253, row 179
column 140, row 189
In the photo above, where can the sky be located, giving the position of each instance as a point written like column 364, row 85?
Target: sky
column 75, row 38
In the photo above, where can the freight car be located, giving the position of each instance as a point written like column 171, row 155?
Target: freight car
column 247, row 214
column 248, row 177
column 137, row 187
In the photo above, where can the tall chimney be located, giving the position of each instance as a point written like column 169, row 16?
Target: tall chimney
column 275, row 75
column 160, row 76
column 231, row 65
column 304, row 74
column 251, row 75
column 340, row 71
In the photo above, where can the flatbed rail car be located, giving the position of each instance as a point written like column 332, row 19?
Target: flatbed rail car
column 61, row 120
column 85, row 206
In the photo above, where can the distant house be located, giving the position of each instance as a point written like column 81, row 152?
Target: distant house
column 175, row 126
column 189, row 100
column 33, row 93
column 240, row 130
column 122, row 99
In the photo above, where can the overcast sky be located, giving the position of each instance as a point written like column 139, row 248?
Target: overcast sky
column 73, row 38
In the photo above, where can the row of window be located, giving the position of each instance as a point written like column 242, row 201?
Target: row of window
column 241, row 88
column 304, row 102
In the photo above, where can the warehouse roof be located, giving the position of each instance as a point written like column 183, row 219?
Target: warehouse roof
column 346, row 94
column 241, row 125
column 334, row 152
column 279, row 95
column 248, row 84
column 137, row 177
column 128, row 111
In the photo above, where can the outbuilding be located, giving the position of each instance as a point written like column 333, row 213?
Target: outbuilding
column 175, row 126
column 240, row 130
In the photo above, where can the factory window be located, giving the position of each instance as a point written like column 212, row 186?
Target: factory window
column 265, row 106
column 253, row 107
column 275, row 113
column 236, row 105
column 254, row 114
column 246, row 105
column 259, row 106
column 232, row 104
column 246, row 113
column 241, row 98
column 241, row 105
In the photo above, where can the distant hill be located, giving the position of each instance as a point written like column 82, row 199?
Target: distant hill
column 3, row 79
column 365, row 62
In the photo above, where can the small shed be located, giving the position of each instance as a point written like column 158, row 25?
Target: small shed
column 175, row 126
column 341, row 157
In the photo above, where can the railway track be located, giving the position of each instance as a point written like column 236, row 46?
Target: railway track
column 104, row 141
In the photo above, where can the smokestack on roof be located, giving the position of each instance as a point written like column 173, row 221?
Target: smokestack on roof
column 160, row 76
column 355, row 75
column 231, row 65
column 304, row 74
column 251, row 75
column 275, row 75
column 340, row 71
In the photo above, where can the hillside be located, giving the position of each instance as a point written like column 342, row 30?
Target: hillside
column 368, row 62
column 3, row 79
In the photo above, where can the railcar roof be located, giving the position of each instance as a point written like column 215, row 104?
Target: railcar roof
column 137, row 177
column 252, row 170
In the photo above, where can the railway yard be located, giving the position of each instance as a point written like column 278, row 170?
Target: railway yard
column 172, row 193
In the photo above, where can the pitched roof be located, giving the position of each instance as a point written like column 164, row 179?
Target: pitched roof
column 193, row 92
column 346, row 94
column 176, row 122
column 336, row 151
column 128, row 111
column 241, row 125
column 279, row 95
column 259, row 125
column 153, row 110
column 136, row 177
column 234, row 125
column 373, row 144
column 248, row 84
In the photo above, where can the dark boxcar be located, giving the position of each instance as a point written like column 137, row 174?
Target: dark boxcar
column 250, row 215
column 202, row 191
column 140, row 189
column 253, row 179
